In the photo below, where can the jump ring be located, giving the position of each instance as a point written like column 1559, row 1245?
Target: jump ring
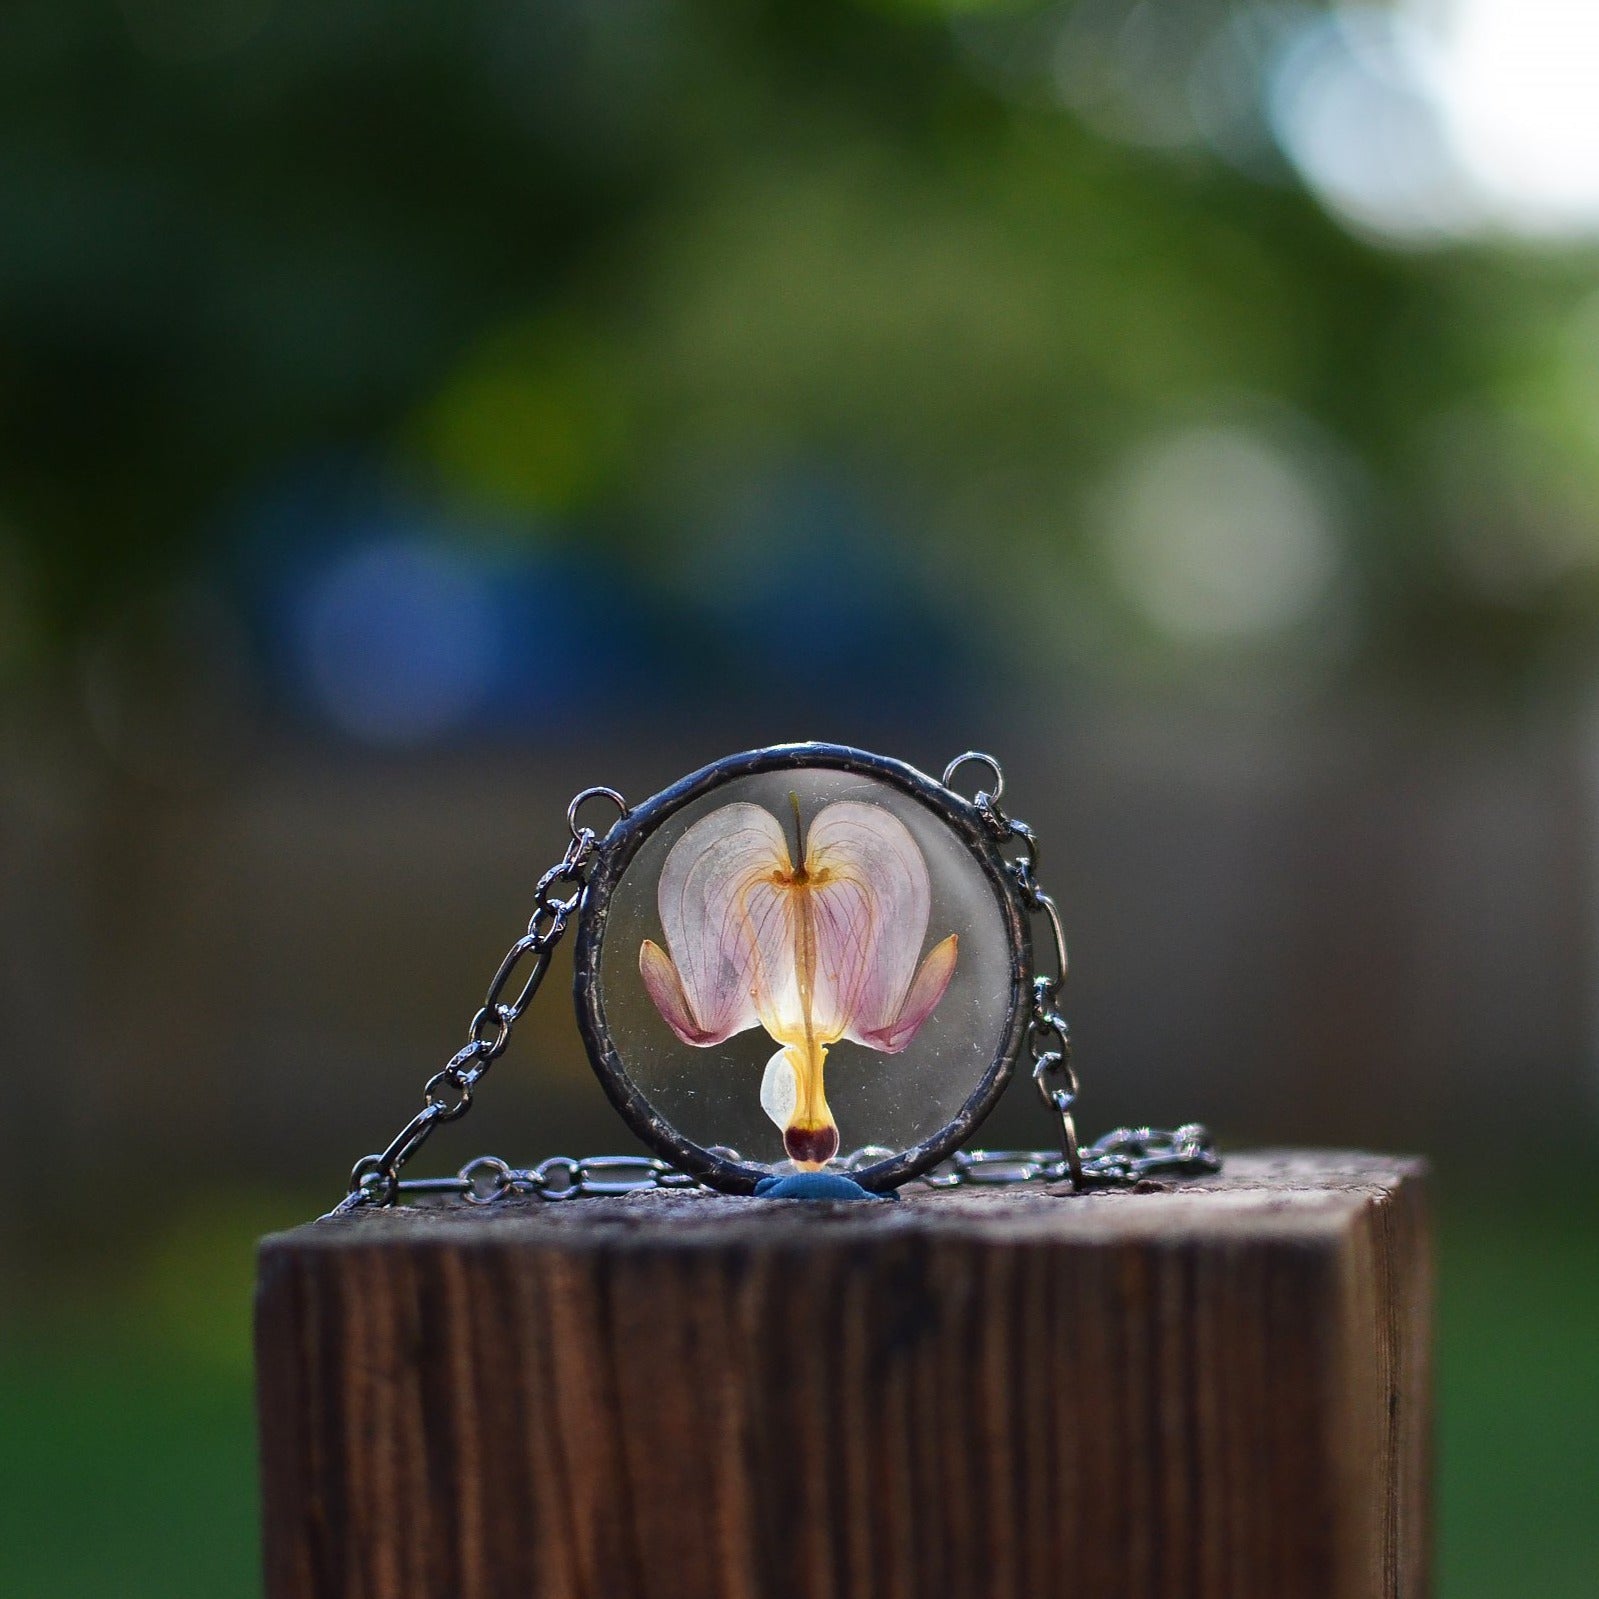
column 376, row 1184
column 487, row 1179
column 977, row 757
column 492, row 1044
column 588, row 794
column 446, row 1108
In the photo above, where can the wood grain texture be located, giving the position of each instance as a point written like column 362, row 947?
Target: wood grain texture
column 1215, row 1389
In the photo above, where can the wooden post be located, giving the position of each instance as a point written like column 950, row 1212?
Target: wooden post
column 1211, row 1389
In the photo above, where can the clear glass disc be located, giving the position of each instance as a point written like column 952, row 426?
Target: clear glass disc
column 798, row 963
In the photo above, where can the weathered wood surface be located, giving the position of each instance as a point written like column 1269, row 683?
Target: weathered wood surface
column 1219, row 1389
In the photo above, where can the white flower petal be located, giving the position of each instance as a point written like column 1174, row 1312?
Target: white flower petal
column 779, row 1089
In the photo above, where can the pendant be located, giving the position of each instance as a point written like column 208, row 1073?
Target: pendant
column 803, row 959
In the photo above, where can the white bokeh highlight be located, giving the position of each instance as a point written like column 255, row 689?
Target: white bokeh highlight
column 1440, row 120
column 1219, row 534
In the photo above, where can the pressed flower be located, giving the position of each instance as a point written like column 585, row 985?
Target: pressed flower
column 825, row 950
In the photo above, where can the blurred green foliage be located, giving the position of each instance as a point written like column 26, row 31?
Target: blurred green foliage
column 126, row 1470
column 127, row 1434
column 598, row 263
column 1518, row 1389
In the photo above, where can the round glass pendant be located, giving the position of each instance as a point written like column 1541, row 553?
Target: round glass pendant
column 803, row 958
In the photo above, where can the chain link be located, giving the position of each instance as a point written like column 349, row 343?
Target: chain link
column 447, row 1095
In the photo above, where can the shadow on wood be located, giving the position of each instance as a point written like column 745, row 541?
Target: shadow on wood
column 1217, row 1389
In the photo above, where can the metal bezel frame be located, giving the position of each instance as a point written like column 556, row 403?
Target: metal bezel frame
column 617, row 850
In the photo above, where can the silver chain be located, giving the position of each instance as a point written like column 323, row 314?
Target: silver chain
column 447, row 1095
column 1129, row 1154
column 1126, row 1156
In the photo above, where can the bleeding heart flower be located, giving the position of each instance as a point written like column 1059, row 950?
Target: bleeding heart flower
column 814, row 953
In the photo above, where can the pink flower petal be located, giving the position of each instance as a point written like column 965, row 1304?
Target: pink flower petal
column 872, row 897
column 665, row 987
column 925, row 993
column 728, row 925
